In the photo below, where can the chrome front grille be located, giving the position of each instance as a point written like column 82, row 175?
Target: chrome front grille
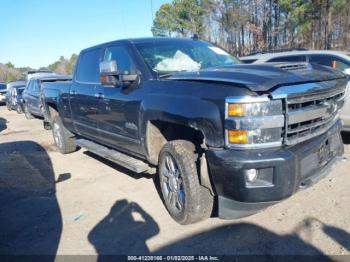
column 313, row 112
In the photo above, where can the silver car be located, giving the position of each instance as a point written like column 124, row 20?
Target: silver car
column 335, row 59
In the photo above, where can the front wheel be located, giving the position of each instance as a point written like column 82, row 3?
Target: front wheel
column 185, row 199
column 63, row 138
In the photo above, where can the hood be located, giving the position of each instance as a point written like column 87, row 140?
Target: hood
column 263, row 77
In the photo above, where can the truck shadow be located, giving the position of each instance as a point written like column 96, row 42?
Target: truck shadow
column 3, row 124
column 244, row 239
column 123, row 231
column 30, row 217
column 120, row 232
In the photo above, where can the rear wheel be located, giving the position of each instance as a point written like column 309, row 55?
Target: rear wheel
column 185, row 199
column 19, row 109
column 27, row 114
column 8, row 105
column 64, row 140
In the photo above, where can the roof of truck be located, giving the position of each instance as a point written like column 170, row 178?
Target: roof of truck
column 142, row 40
column 53, row 78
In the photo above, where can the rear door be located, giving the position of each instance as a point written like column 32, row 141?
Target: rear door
column 34, row 98
column 83, row 102
column 30, row 96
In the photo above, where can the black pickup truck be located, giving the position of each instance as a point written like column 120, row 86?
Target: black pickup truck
column 217, row 132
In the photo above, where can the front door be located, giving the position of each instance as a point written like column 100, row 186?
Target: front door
column 119, row 106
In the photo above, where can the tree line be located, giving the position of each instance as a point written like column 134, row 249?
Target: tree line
column 65, row 66
column 246, row 26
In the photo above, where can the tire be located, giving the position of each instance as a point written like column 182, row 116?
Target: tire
column 185, row 199
column 47, row 125
column 27, row 114
column 19, row 109
column 8, row 106
column 64, row 140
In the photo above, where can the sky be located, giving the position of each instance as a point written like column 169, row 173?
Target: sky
column 36, row 33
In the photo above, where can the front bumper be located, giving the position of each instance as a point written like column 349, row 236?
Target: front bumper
column 291, row 168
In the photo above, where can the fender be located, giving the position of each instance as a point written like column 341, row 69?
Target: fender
column 184, row 110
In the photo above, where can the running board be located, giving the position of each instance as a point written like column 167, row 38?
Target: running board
column 136, row 165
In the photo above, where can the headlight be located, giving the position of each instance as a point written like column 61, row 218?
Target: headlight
column 254, row 109
column 253, row 122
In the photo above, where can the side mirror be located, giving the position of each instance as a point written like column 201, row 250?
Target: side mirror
column 111, row 76
column 347, row 71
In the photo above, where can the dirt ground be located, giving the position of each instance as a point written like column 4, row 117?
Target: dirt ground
column 80, row 204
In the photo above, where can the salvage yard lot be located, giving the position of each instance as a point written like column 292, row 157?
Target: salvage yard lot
column 80, row 204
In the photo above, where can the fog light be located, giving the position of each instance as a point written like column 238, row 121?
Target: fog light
column 251, row 175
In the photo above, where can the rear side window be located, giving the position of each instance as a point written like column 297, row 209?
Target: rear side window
column 296, row 58
column 29, row 86
column 121, row 56
column 88, row 66
column 2, row 86
column 330, row 61
column 35, row 86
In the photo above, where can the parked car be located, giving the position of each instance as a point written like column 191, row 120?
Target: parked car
column 2, row 93
column 14, row 95
column 335, row 59
column 32, row 106
column 39, row 73
column 245, row 135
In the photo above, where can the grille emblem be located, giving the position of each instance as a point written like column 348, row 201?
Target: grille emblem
column 331, row 108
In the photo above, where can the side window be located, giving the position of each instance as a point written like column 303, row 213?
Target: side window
column 330, row 61
column 35, row 86
column 121, row 56
column 88, row 66
column 296, row 58
column 29, row 86
column 321, row 59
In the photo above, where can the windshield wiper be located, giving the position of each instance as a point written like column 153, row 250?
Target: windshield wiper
column 165, row 75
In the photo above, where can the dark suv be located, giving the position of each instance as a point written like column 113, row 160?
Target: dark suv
column 31, row 96
column 14, row 95
column 2, row 93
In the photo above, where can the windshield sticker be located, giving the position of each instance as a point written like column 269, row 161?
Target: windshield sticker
column 180, row 62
